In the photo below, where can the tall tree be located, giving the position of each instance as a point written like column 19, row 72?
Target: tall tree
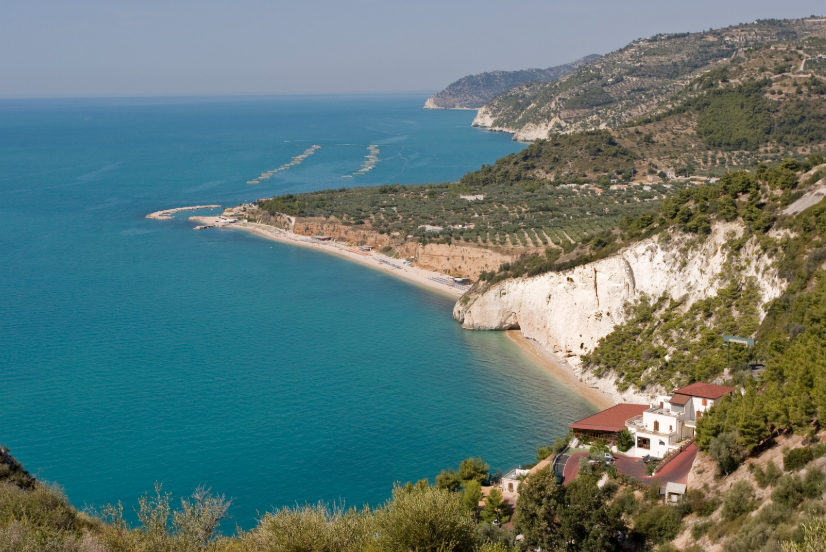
column 537, row 510
column 473, row 468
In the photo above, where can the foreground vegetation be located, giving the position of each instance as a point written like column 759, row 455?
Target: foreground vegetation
column 599, row 510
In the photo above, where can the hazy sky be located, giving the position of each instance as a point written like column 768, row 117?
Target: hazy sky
column 213, row 47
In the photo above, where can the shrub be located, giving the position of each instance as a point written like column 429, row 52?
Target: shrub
column 313, row 527
column 789, row 491
column 766, row 478
column 795, row 459
column 425, row 518
column 46, row 508
column 726, row 451
column 699, row 504
column 738, row 500
column 814, row 484
column 625, row 440
column 658, row 524
column 814, row 538
column 544, row 452
column 700, row 529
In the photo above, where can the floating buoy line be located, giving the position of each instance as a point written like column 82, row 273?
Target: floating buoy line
column 295, row 162
column 370, row 161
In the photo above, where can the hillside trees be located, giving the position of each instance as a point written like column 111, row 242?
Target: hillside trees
column 573, row 517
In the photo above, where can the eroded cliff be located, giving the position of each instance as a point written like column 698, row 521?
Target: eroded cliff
column 568, row 312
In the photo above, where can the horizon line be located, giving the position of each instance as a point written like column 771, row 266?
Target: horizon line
column 216, row 96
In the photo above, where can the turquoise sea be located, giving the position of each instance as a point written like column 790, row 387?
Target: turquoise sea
column 134, row 351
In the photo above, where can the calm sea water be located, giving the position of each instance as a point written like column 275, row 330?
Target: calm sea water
column 134, row 351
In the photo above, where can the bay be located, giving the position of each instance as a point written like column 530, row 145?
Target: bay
column 137, row 351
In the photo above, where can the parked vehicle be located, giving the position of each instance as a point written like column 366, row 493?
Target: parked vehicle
column 648, row 459
column 609, row 458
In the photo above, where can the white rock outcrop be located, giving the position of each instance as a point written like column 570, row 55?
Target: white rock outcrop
column 483, row 118
column 530, row 132
column 568, row 312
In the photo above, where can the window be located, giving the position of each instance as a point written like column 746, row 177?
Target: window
column 643, row 443
column 656, row 425
column 699, row 414
column 705, row 402
column 670, row 429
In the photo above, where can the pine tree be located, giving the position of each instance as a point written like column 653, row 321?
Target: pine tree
column 537, row 511
column 752, row 425
column 495, row 507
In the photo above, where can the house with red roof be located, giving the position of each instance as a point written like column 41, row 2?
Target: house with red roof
column 658, row 428
column 670, row 421
column 608, row 423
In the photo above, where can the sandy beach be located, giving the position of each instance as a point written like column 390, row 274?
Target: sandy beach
column 561, row 372
column 427, row 278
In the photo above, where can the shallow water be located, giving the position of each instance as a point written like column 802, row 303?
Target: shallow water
column 136, row 351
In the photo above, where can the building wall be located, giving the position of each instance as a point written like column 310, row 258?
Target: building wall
column 657, row 449
column 697, row 405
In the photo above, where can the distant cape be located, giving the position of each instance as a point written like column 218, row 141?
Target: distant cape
column 474, row 91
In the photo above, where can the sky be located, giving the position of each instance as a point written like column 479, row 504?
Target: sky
column 93, row 48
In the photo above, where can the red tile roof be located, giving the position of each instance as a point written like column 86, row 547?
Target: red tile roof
column 677, row 398
column 705, row 390
column 612, row 419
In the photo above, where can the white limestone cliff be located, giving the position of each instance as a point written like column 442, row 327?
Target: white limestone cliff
column 484, row 118
column 568, row 312
column 530, row 132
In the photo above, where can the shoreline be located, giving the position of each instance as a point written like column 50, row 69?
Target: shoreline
column 562, row 372
column 421, row 277
column 372, row 259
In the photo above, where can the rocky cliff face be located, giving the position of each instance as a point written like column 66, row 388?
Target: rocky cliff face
column 459, row 258
column 568, row 312
column 486, row 118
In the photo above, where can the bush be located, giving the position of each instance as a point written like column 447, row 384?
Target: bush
column 625, row 440
column 766, row 478
column 700, row 529
column 814, row 538
column 726, row 451
column 789, row 491
column 814, row 484
column 425, row 518
column 738, row 501
column 795, row 459
column 313, row 527
column 697, row 503
column 46, row 508
column 658, row 524
column 544, row 452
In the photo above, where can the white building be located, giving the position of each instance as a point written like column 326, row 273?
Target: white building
column 671, row 420
column 511, row 480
